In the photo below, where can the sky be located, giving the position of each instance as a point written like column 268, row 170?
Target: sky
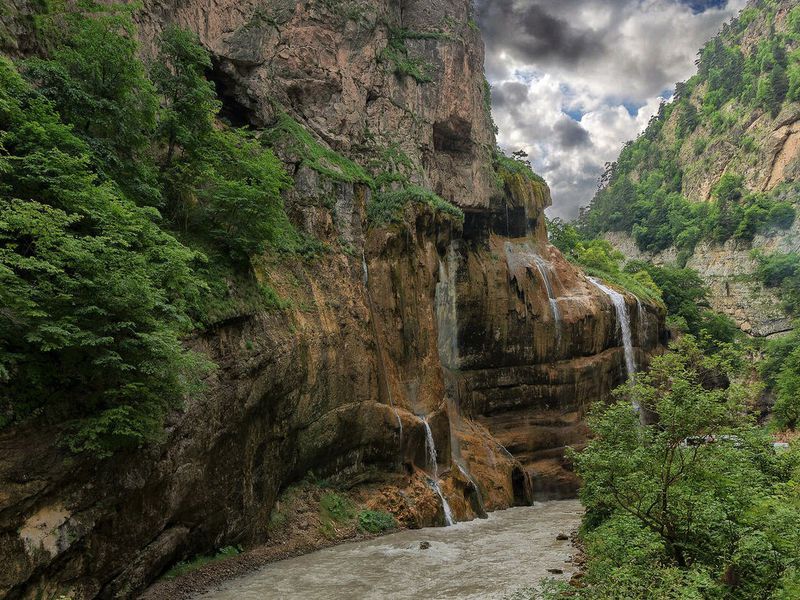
column 573, row 80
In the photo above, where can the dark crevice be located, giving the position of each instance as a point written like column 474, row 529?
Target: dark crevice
column 232, row 111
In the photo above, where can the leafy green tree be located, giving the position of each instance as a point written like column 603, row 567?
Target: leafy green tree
column 727, row 210
column 95, row 294
column 98, row 85
column 221, row 181
column 786, row 411
column 688, row 119
column 691, row 505
column 564, row 236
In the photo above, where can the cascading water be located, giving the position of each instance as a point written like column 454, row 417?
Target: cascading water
column 474, row 483
column 623, row 318
column 641, row 315
column 544, row 271
column 430, row 447
column 446, row 312
column 524, row 256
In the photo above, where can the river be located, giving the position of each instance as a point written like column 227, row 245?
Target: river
column 483, row 559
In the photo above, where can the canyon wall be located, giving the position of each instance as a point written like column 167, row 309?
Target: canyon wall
column 477, row 329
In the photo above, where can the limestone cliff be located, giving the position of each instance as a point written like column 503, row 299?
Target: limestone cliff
column 477, row 331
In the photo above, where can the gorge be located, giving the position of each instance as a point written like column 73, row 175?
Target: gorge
column 440, row 358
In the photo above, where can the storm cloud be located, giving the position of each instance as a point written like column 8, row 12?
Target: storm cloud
column 573, row 80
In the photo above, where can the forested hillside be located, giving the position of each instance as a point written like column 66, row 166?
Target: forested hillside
column 703, row 206
column 709, row 165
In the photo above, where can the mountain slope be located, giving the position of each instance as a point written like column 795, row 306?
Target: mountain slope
column 372, row 287
column 714, row 174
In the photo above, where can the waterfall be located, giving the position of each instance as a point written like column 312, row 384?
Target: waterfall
column 474, row 483
column 544, row 272
column 526, row 257
column 490, row 455
column 624, row 323
column 430, row 447
column 446, row 311
column 641, row 315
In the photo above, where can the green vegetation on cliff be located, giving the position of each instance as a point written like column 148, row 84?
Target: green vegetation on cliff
column 117, row 185
column 722, row 116
column 130, row 214
column 681, row 291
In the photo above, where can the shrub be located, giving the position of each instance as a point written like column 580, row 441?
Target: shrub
column 375, row 521
column 387, row 207
column 295, row 139
column 187, row 566
column 336, row 507
column 95, row 292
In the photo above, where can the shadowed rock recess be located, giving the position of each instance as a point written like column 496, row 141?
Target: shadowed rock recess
column 478, row 327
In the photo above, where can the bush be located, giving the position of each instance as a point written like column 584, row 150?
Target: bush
column 781, row 215
column 387, row 207
column 220, row 181
column 187, row 566
column 96, row 294
column 337, row 507
column 375, row 521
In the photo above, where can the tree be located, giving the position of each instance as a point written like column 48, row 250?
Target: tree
column 684, row 500
column 221, row 181
column 95, row 295
column 98, row 85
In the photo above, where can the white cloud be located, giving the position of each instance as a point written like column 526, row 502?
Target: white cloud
column 574, row 80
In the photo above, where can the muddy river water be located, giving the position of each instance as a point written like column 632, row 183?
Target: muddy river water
column 481, row 560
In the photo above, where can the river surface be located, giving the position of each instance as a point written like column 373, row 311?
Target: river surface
column 484, row 559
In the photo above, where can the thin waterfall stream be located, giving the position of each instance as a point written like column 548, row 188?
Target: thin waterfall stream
column 381, row 359
column 624, row 321
column 430, row 446
column 544, row 271
column 526, row 257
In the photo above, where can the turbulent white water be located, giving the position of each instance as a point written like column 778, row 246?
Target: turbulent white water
column 485, row 559
column 430, row 446
column 623, row 318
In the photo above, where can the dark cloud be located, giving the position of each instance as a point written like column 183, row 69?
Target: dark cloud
column 532, row 33
column 571, row 134
column 509, row 94
column 574, row 79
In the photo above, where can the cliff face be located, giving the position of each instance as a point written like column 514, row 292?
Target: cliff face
column 730, row 271
column 477, row 332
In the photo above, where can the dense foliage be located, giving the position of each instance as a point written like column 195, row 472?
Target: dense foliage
column 781, row 367
column 106, row 166
column 697, row 504
column 95, row 293
column 642, row 193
